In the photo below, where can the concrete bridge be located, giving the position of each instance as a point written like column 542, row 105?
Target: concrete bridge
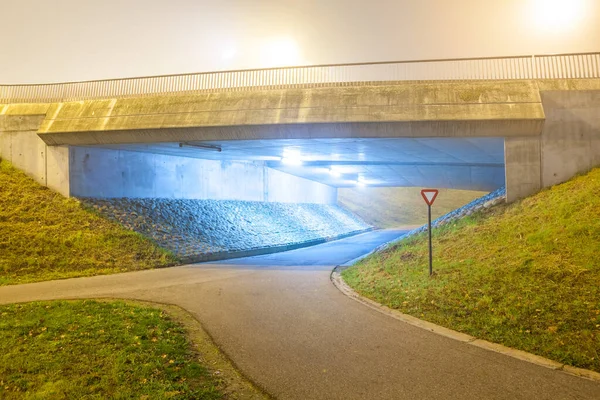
column 298, row 134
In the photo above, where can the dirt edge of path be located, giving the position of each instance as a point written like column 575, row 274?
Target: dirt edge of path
column 236, row 385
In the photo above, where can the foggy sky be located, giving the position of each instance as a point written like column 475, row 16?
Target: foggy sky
column 70, row 40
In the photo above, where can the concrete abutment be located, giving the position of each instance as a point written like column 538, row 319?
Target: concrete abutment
column 569, row 144
column 570, row 140
column 523, row 167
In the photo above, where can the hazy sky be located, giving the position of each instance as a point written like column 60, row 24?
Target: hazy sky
column 67, row 40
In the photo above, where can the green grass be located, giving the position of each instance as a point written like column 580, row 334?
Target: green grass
column 45, row 236
column 395, row 207
column 97, row 350
column 526, row 275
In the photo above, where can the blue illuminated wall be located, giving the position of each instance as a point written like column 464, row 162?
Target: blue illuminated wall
column 106, row 173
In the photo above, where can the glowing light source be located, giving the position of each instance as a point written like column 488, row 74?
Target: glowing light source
column 291, row 161
column 346, row 169
column 229, row 53
column 558, row 15
column 279, row 52
column 291, row 157
column 361, row 182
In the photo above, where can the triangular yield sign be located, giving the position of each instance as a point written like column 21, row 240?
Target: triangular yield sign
column 429, row 195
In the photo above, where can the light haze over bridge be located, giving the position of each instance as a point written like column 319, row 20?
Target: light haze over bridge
column 464, row 124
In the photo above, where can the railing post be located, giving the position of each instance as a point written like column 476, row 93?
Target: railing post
column 565, row 66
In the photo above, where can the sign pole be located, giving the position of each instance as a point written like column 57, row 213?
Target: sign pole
column 430, row 247
column 429, row 195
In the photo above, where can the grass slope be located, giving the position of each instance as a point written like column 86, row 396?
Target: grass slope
column 89, row 349
column 45, row 236
column 395, row 207
column 526, row 275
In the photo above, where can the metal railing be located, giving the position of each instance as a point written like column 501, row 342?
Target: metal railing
column 561, row 66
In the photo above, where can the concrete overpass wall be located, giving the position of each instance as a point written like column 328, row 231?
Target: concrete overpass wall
column 106, row 173
column 406, row 109
column 21, row 145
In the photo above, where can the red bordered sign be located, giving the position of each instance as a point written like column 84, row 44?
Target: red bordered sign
column 429, row 195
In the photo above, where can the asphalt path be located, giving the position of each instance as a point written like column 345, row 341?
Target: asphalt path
column 320, row 257
column 288, row 329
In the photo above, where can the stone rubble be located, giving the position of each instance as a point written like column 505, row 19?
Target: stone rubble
column 195, row 229
column 489, row 200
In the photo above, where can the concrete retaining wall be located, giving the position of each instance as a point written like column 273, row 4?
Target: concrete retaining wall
column 21, row 146
column 105, row 173
column 569, row 144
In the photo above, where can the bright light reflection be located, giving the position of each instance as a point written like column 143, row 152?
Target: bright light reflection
column 291, row 161
column 291, row 157
column 345, row 169
column 335, row 173
column 279, row 52
column 229, row 53
column 558, row 15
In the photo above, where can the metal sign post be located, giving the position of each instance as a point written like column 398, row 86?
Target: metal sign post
column 429, row 195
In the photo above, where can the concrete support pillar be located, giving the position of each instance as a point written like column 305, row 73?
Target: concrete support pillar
column 57, row 169
column 523, row 167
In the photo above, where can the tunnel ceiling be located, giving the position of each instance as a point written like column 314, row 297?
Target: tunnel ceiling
column 461, row 163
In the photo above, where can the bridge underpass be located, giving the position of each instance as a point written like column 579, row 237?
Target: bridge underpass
column 454, row 163
column 296, row 135
column 223, row 199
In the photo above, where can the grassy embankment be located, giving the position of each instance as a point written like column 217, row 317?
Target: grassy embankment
column 90, row 349
column 526, row 275
column 45, row 236
column 395, row 207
